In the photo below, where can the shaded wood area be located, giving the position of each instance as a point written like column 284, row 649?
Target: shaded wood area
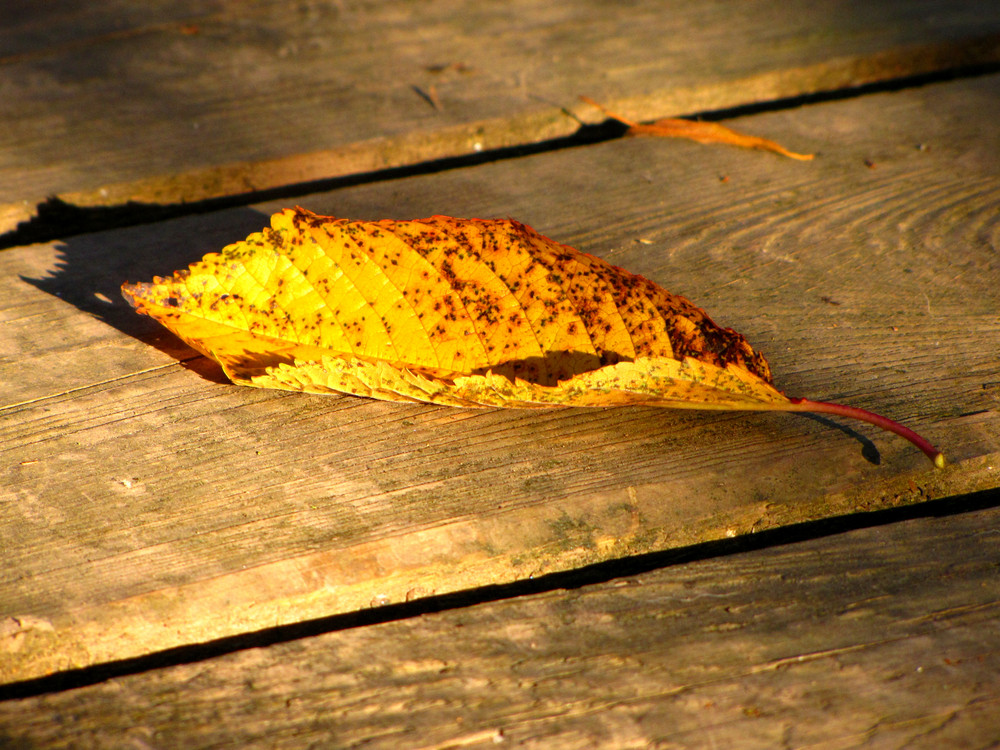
column 884, row 636
column 152, row 514
column 190, row 101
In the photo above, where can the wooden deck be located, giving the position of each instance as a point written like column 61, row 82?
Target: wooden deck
column 192, row 564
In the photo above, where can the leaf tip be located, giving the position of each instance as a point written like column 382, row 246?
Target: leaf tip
column 130, row 292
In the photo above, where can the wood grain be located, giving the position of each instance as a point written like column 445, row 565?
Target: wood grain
column 147, row 505
column 883, row 636
column 196, row 101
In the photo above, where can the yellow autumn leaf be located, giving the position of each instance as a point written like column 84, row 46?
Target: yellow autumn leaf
column 465, row 312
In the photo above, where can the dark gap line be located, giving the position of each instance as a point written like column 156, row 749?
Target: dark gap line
column 598, row 573
column 888, row 86
column 56, row 219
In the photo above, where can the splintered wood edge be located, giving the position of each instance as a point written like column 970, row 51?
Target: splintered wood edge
column 527, row 128
column 461, row 555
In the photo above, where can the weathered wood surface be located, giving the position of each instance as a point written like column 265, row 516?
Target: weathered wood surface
column 147, row 505
column 102, row 105
column 883, row 637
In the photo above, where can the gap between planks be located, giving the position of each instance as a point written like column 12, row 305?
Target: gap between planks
column 551, row 128
column 590, row 575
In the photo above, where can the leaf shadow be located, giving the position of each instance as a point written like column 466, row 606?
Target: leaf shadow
column 92, row 267
column 868, row 450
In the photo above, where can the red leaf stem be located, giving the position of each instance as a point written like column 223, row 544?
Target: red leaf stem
column 853, row 412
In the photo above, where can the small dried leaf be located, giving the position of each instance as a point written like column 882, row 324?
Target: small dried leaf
column 701, row 132
column 464, row 312
column 712, row 132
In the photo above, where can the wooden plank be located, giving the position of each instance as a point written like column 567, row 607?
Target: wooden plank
column 237, row 97
column 145, row 506
column 36, row 30
column 883, row 636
